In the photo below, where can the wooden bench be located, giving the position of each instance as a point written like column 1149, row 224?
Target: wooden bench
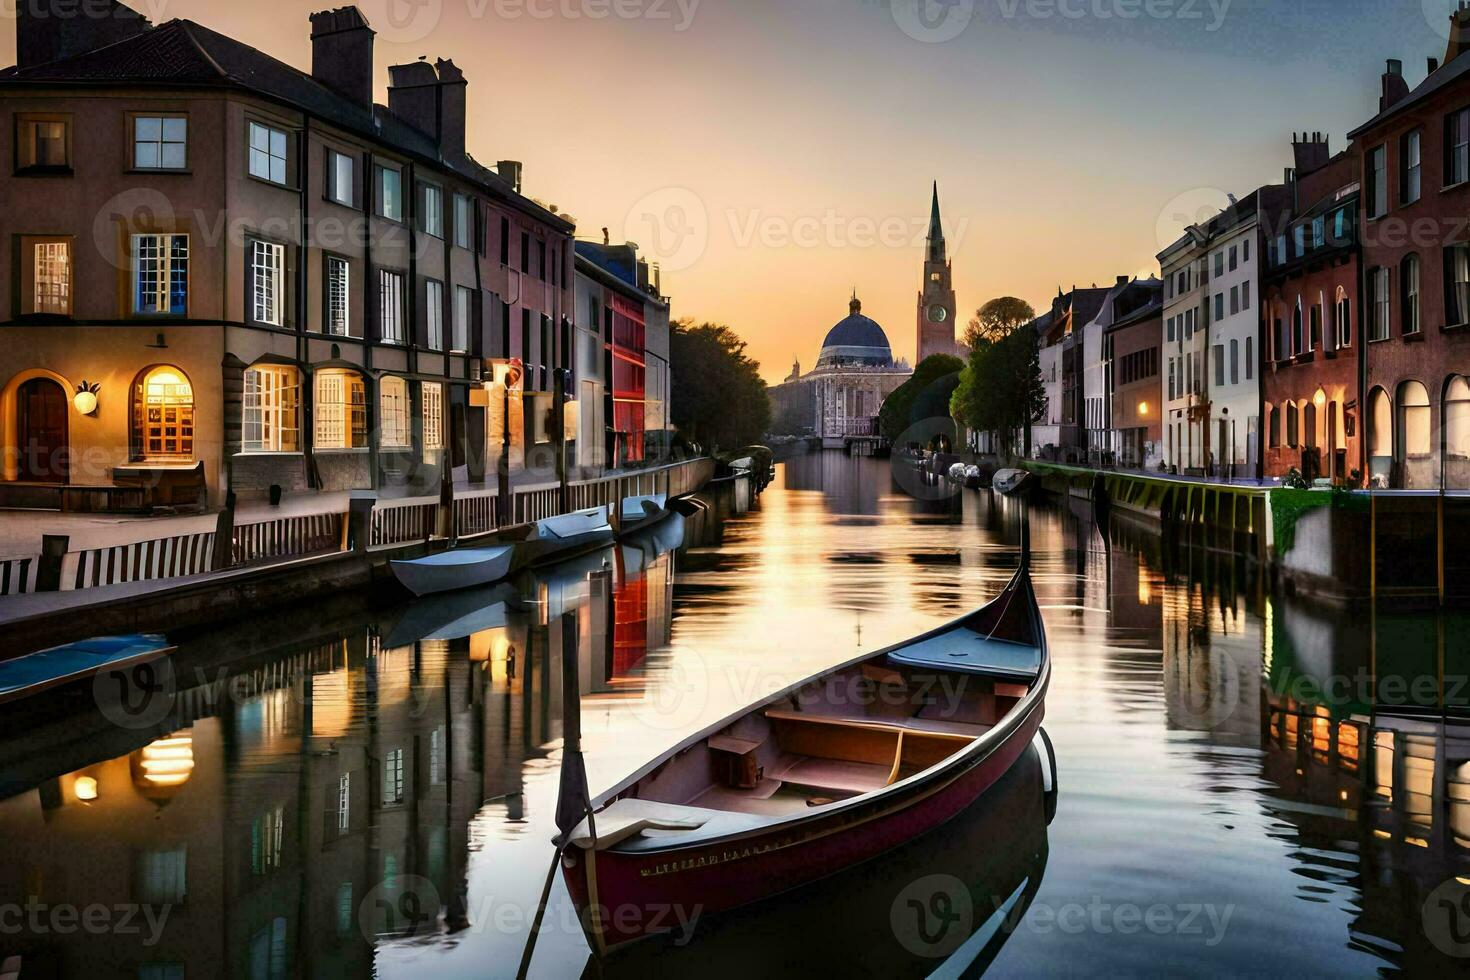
column 859, row 755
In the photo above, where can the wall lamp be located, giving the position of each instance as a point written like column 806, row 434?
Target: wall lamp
column 86, row 398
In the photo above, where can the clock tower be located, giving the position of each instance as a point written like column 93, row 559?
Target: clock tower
column 936, row 299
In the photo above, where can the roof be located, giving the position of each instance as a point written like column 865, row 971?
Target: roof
column 1434, row 83
column 181, row 52
column 936, row 227
column 857, row 331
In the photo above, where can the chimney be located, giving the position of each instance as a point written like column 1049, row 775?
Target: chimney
column 1310, row 153
column 510, row 172
column 413, row 96
column 606, row 237
column 1395, row 89
column 342, row 53
column 1459, row 33
column 50, row 30
column 1124, row 280
column 453, row 99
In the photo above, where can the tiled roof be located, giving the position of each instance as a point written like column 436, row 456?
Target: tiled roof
column 181, row 52
column 1436, row 81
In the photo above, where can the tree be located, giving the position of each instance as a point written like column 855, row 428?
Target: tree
column 998, row 319
column 898, row 411
column 719, row 399
column 1000, row 390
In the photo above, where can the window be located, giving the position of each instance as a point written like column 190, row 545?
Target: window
column 339, row 178
column 1219, row 307
column 1380, row 419
column 1219, row 365
column 1319, row 231
column 1376, row 199
column 1314, row 337
column 1378, row 304
column 344, row 805
column 1413, row 427
column 1457, row 148
column 433, row 395
column 1234, row 257
column 1250, row 358
column 433, row 220
column 1245, row 250
column 163, row 876
column 1234, row 300
column 51, row 279
column 1409, row 282
column 1292, row 425
column 1457, row 285
column 267, row 153
column 43, row 142
column 160, row 142
column 541, row 261
column 160, row 274
column 341, row 410
column 268, row 952
column 271, row 397
column 1273, row 426
column 393, row 405
column 1298, row 345
column 339, row 292
column 1344, row 319
column 390, row 194
column 464, row 220
column 163, row 415
column 1245, row 295
column 1235, row 362
column 1171, row 329
column 1457, row 419
column 1172, row 394
column 1410, row 169
column 434, row 313
column 505, row 241
column 463, row 310
column 525, row 252
column 1219, row 264
column 1279, row 339
column 390, row 307
column 267, row 283
column 393, row 777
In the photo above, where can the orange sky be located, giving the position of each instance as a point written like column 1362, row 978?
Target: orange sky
column 785, row 148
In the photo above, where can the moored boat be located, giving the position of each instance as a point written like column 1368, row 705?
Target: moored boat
column 637, row 513
column 558, row 538
column 34, row 673
column 460, row 568
column 819, row 777
column 1012, row 482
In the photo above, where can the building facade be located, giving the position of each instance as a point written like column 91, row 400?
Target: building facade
column 230, row 275
column 1312, row 410
column 1414, row 157
column 1132, row 353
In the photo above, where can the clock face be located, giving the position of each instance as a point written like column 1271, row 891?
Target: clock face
column 938, row 314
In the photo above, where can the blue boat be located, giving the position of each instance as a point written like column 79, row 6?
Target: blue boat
column 36, row 672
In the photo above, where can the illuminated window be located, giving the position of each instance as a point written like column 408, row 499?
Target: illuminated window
column 164, row 415
column 160, row 142
column 390, row 307
column 433, row 395
column 161, row 274
column 393, row 777
column 393, row 407
column 272, row 395
column 433, row 219
column 1413, row 427
column 52, row 278
column 341, row 410
column 344, row 801
column 463, row 310
column 1457, row 419
column 268, row 283
column 339, row 178
column 339, row 303
column 267, row 834
column 1380, row 424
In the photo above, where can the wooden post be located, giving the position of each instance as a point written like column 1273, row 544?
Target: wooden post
column 224, row 535
column 53, row 552
column 360, row 522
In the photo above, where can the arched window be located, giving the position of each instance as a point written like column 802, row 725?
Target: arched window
column 1309, row 425
column 272, row 404
column 340, row 410
column 1296, row 329
column 1457, row 419
column 1414, row 418
column 1292, row 434
column 163, row 414
column 1380, row 424
column 1314, row 339
column 1344, row 319
column 1273, row 426
column 393, row 406
column 1409, row 283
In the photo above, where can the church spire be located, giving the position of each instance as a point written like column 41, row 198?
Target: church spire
column 936, row 228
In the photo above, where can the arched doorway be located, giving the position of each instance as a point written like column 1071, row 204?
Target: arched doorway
column 41, row 413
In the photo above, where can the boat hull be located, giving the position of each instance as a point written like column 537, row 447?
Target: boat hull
column 625, row 897
column 423, row 577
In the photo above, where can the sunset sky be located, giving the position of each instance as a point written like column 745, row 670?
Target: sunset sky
column 786, row 147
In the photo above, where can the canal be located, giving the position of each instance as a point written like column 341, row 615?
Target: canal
column 1247, row 783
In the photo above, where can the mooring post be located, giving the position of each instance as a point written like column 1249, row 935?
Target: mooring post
column 53, row 552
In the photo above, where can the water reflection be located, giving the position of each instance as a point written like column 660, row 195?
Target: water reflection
column 1267, row 786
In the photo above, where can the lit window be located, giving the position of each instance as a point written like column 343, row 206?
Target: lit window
column 390, row 194
column 338, row 296
column 160, row 142
column 341, row 410
column 393, row 777
column 434, row 313
column 344, row 804
column 1457, row 285
column 268, row 282
column 163, row 415
column 1414, row 417
column 42, row 142
column 390, row 307
column 463, row 309
column 53, row 278
column 160, row 274
column 393, row 407
column 1457, row 419
column 339, row 177
column 433, row 211
column 271, row 397
column 267, row 153
column 433, row 394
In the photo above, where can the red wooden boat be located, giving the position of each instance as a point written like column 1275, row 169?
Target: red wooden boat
column 824, row 775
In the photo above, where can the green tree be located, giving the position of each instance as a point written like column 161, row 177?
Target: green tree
column 998, row 319
column 898, row 411
column 1000, row 390
column 719, row 399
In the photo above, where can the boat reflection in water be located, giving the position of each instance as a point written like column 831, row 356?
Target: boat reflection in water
column 942, row 904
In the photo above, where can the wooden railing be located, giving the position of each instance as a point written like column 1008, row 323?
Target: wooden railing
column 18, row 575
column 288, row 537
column 175, row 557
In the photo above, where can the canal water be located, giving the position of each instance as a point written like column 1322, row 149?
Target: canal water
column 1247, row 783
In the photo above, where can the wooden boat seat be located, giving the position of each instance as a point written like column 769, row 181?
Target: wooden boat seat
column 626, row 818
column 932, row 726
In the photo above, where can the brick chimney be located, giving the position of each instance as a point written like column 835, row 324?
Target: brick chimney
column 432, row 99
column 1310, row 152
column 510, row 172
column 1459, row 33
column 51, row 30
column 1395, row 89
column 342, row 53
column 453, row 100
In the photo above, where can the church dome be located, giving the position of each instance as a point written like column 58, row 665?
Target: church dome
column 856, row 341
